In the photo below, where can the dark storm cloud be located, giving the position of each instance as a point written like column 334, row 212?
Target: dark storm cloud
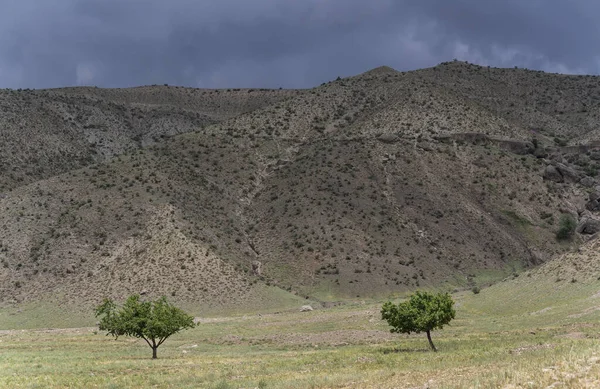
column 548, row 34
column 283, row 43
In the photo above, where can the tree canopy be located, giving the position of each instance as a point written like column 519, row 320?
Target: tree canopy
column 422, row 312
column 153, row 321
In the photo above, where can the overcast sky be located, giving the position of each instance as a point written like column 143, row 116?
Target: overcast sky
column 282, row 43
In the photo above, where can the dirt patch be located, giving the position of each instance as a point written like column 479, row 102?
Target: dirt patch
column 585, row 312
column 329, row 338
column 541, row 311
column 521, row 350
column 574, row 335
column 80, row 330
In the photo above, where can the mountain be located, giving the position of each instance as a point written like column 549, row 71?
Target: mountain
column 375, row 184
column 49, row 132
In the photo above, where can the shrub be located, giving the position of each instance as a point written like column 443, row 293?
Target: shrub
column 567, row 226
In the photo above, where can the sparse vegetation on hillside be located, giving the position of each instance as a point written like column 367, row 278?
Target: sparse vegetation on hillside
column 49, row 132
column 387, row 181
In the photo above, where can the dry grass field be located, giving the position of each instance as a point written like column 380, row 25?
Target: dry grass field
column 527, row 332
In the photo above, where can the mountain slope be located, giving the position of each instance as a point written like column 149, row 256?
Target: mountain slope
column 49, row 132
column 360, row 187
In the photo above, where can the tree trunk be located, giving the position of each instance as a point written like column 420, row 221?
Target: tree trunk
column 154, row 352
column 430, row 341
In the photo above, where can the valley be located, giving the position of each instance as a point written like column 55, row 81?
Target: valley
column 243, row 205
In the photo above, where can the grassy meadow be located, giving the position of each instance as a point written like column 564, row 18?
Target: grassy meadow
column 530, row 332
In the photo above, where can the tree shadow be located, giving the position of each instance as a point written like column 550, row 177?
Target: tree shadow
column 403, row 350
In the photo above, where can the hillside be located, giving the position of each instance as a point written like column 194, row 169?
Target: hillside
column 380, row 183
column 49, row 132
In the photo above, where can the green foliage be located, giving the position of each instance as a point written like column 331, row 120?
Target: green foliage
column 567, row 225
column 422, row 312
column 153, row 321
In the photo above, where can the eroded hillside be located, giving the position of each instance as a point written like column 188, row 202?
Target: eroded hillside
column 49, row 132
column 373, row 184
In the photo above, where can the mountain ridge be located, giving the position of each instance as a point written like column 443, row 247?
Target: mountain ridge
column 362, row 186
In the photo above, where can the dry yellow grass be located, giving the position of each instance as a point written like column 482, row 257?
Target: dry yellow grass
column 512, row 335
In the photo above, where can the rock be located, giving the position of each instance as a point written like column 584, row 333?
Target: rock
column 306, row 308
column 557, row 158
column 517, row 147
column 143, row 292
column 388, row 138
column 568, row 174
column 594, row 203
column 584, row 214
column 587, row 181
column 552, row 174
column 559, row 172
column 540, row 152
column 388, row 157
column 536, row 257
column 592, row 206
column 588, row 225
column 257, row 268
column 425, row 146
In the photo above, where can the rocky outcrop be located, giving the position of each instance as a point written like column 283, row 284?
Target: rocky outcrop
column 588, row 224
column 569, row 174
column 552, row 174
column 587, row 181
column 561, row 173
column 513, row 146
column 594, row 202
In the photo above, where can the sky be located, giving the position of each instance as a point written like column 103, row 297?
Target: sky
column 282, row 43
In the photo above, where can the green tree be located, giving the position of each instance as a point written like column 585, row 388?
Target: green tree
column 422, row 312
column 153, row 321
column 566, row 227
